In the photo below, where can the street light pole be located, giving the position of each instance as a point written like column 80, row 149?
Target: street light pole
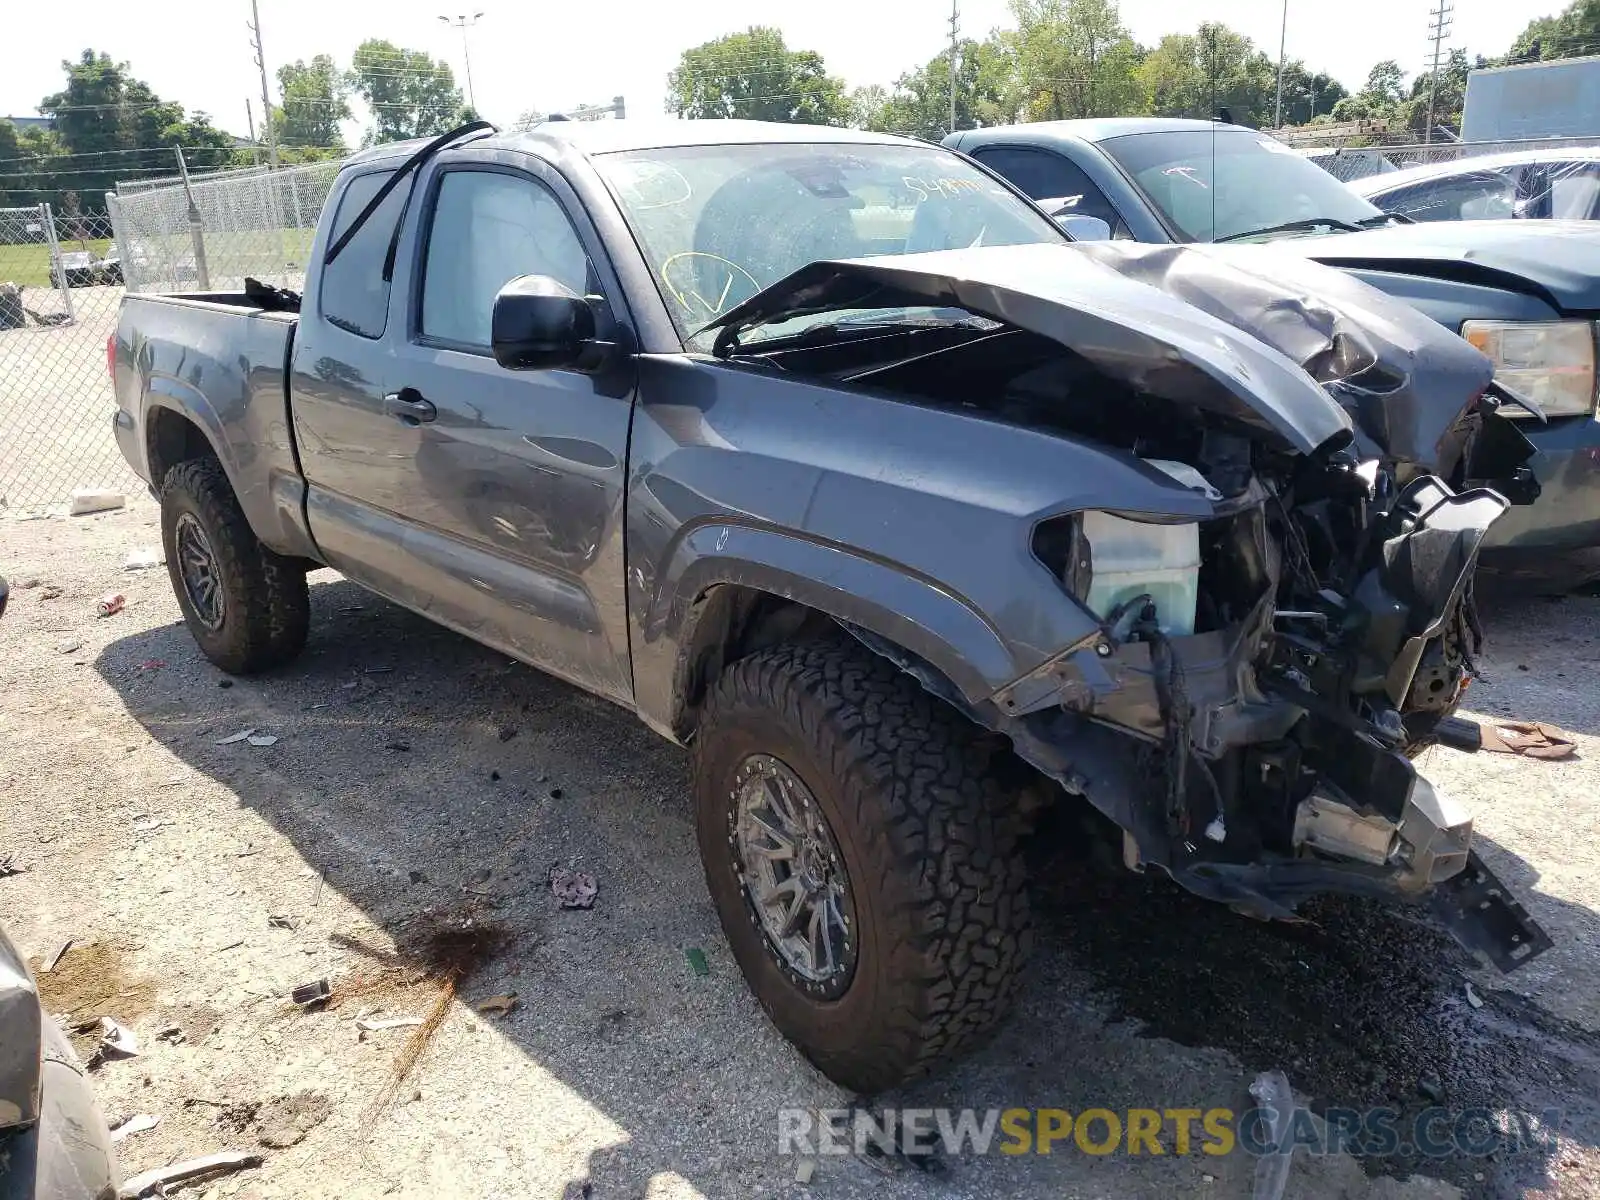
column 464, row 23
column 1283, row 40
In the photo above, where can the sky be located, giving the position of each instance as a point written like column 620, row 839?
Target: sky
column 549, row 55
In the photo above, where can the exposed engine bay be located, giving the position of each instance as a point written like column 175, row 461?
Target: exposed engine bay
column 1271, row 652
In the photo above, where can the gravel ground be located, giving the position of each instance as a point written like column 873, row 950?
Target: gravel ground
column 415, row 773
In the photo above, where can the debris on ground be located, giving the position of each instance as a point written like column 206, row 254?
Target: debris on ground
column 398, row 746
column 262, row 739
column 1472, row 996
column 311, row 993
column 152, row 664
column 697, row 961
column 51, row 592
column 280, row 921
column 8, row 866
column 500, row 1004
column 379, row 671
column 133, row 1125
column 804, row 1170
column 115, row 1041
column 234, row 739
column 69, row 647
column 285, row 1120
column 156, row 1181
column 573, row 889
column 448, row 947
column 87, row 500
column 507, row 732
column 1430, row 1088
column 1272, row 1092
column 365, row 1026
column 143, row 560
column 58, row 955
column 108, row 605
column 1531, row 739
column 173, row 1035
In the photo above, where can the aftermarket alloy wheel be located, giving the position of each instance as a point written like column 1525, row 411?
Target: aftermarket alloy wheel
column 247, row 607
column 858, row 846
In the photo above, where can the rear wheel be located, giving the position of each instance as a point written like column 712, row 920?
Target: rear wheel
column 248, row 608
column 856, row 844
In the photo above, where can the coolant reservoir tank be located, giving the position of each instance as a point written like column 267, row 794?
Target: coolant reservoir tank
column 1132, row 558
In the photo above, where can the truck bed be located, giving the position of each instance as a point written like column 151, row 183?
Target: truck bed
column 218, row 361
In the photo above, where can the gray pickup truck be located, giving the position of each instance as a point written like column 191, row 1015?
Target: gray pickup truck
column 1527, row 294
column 830, row 456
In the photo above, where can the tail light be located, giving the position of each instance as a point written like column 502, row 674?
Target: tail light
column 111, row 357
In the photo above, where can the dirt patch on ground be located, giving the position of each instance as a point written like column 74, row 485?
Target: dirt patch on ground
column 91, row 981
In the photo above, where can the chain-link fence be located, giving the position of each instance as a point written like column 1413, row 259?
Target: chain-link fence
column 210, row 234
column 60, row 287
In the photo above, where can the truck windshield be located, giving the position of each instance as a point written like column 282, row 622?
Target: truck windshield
column 718, row 224
column 1233, row 183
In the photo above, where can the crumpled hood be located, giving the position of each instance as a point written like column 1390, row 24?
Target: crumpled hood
column 1403, row 378
column 1556, row 260
column 1227, row 332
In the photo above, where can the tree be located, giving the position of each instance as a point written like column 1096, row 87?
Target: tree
column 1305, row 95
column 754, row 76
column 12, row 175
column 1448, row 94
column 115, row 127
column 1379, row 99
column 1204, row 73
column 314, row 104
column 410, row 94
column 1573, row 32
column 919, row 105
column 1074, row 58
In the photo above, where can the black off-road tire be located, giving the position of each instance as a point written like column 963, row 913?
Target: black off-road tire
column 924, row 823
column 266, row 603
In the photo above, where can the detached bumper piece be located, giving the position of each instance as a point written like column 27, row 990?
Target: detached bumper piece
column 1483, row 915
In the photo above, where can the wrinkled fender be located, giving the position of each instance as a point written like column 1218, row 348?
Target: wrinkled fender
column 942, row 629
column 222, row 369
column 914, row 523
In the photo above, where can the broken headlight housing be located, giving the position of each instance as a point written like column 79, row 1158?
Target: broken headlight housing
column 1550, row 362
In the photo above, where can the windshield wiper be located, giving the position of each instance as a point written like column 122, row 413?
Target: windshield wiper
column 829, row 333
column 404, row 171
column 1292, row 226
column 1397, row 217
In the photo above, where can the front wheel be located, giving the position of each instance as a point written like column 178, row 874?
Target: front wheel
column 247, row 607
column 857, row 845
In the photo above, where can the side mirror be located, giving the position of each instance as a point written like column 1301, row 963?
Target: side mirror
column 1083, row 228
column 540, row 324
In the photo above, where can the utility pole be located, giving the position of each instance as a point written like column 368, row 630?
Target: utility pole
column 955, row 29
column 266, row 95
column 1283, row 40
column 464, row 23
column 1438, row 34
column 255, row 146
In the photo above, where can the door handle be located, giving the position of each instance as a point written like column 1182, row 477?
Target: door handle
column 408, row 406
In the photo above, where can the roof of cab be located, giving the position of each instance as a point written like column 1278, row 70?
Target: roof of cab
column 608, row 137
column 1473, row 163
column 1100, row 129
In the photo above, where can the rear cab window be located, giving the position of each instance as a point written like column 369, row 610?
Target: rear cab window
column 1046, row 175
column 354, row 295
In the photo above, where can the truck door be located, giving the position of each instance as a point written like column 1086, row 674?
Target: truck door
column 504, row 487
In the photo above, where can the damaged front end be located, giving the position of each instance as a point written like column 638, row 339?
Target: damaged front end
column 1269, row 654
column 1268, row 755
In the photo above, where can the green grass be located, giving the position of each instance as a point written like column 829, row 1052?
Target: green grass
column 29, row 266
column 263, row 252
